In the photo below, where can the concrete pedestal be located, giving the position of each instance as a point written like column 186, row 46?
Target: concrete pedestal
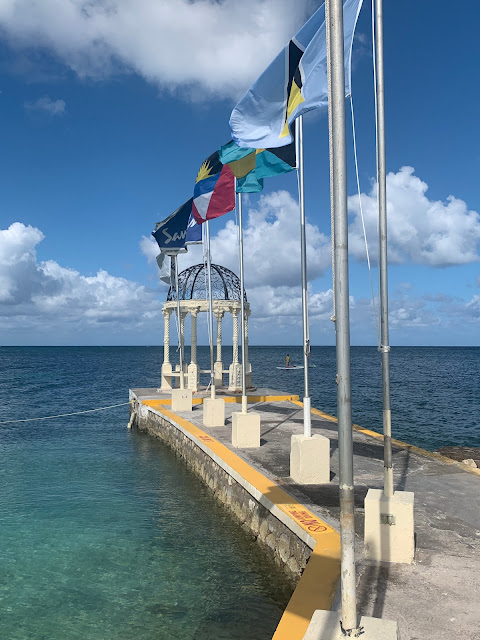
column 181, row 399
column 235, row 377
column 245, row 430
column 325, row 625
column 166, row 376
column 218, row 373
column 389, row 526
column 192, row 376
column 214, row 412
column 310, row 459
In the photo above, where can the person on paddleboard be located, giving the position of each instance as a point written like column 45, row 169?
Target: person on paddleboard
column 287, row 361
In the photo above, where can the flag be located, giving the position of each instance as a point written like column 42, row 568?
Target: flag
column 171, row 233
column 194, row 232
column 294, row 83
column 165, row 264
column 263, row 163
column 214, row 192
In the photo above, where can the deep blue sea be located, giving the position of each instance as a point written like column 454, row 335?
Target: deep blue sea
column 106, row 536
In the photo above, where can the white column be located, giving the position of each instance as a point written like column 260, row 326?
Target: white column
column 192, row 370
column 218, row 369
column 248, row 367
column 235, row 370
column 166, row 366
column 235, row 336
column 183, row 315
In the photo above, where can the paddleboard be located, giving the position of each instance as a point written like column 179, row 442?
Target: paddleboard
column 292, row 368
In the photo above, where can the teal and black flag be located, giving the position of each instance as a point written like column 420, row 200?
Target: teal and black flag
column 251, row 166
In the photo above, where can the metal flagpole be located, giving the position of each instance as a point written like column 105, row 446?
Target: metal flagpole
column 182, row 383
column 382, row 226
column 242, row 304
column 336, row 101
column 210, row 311
column 307, row 416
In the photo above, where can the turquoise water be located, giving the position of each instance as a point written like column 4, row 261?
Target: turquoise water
column 105, row 535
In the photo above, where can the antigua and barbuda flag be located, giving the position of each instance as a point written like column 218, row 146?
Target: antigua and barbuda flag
column 214, row 192
column 294, row 83
column 250, row 166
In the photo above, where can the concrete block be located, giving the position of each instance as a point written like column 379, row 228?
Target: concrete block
column 192, row 376
column 310, row 459
column 245, row 430
column 389, row 526
column 214, row 412
column 235, row 377
column 181, row 399
column 325, row 625
column 166, row 376
column 218, row 373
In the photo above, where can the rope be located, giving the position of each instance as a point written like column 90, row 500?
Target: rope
column 363, row 221
column 63, row 415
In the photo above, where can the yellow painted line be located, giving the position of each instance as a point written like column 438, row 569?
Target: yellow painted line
column 165, row 402
column 318, row 584
column 399, row 443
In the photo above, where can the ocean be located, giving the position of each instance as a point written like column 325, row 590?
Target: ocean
column 106, row 536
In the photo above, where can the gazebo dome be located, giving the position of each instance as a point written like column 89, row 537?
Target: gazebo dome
column 193, row 284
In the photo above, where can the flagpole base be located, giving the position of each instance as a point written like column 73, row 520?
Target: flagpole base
column 213, row 412
column 328, row 624
column 310, row 459
column 246, row 430
column 181, row 400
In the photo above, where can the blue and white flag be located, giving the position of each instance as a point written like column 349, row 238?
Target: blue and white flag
column 165, row 264
column 294, row 83
column 171, row 233
column 194, row 232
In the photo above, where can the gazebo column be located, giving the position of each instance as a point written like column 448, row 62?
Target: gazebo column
column 166, row 366
column 235, row 369
column 193, row 366
column 248, row 366
column 218, row 367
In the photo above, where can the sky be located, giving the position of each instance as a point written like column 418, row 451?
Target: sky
column 108, row 109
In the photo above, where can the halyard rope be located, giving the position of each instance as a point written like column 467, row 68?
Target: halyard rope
column 63, row 415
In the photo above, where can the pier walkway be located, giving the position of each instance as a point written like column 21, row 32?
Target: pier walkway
column 435, row 598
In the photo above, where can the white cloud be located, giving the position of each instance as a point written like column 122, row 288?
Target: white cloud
column 218, row 46
column 45, row 295
column 271, row 237
column 48, row 106
column 420, row 230
column 272, row 244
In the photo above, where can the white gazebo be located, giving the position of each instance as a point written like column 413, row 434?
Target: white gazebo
column 193, row 296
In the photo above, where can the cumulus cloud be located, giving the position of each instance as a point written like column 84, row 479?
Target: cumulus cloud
column 218, row 46
column 45, row 294
column 420, row 230
column 271, row 238
column 48, row 106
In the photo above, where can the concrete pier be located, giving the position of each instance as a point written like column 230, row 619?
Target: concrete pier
column 435, row 598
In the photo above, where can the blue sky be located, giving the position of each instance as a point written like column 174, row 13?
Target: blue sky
column 107, row 116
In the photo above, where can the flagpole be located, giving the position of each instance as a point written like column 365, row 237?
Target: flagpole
column 242, row 303
column 307, row 416
column 182, row 383
column 336, row 101
column 382, row 228
column 210, row 311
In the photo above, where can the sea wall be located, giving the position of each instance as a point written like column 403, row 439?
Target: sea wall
column 252, row 510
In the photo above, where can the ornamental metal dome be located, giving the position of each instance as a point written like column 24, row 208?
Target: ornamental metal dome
column 193, row 284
